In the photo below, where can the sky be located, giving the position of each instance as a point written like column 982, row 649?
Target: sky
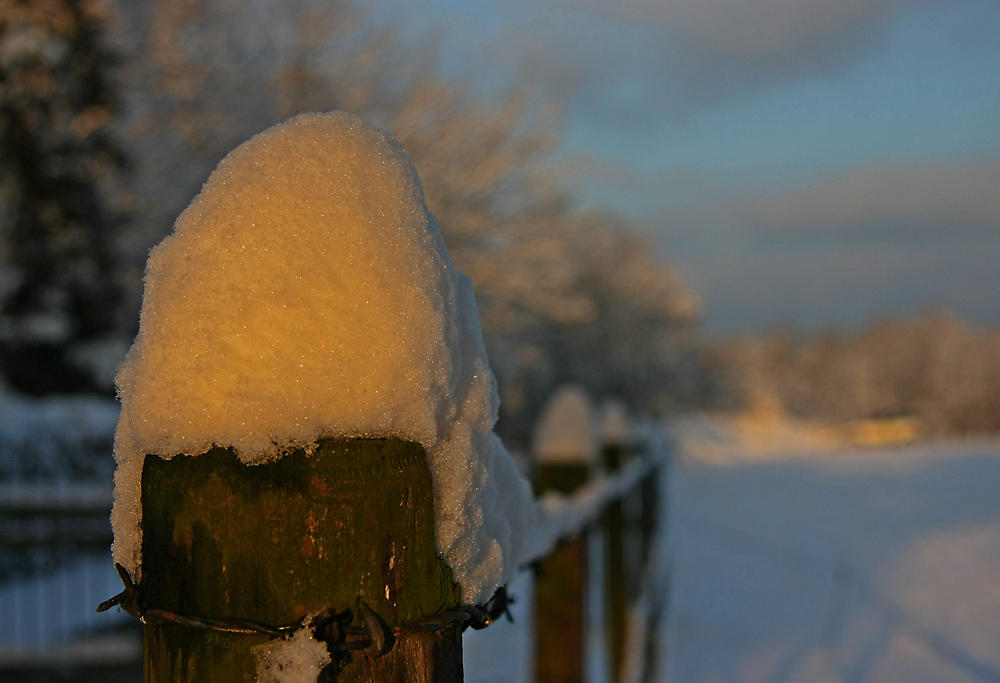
column 814, row 163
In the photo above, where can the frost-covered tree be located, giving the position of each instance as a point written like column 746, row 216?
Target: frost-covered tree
column 580, row 298
column 58, row 286
column 934, row 367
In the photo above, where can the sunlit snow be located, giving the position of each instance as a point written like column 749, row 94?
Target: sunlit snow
column 307, row 293
column 565, row 431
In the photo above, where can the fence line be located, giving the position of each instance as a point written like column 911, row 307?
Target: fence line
column 569, row 516
column 566, row 516
column 55, row 567
column 645, row 617
column 56, row 607
column 55, row 499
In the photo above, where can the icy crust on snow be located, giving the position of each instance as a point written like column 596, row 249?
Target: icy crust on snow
column 307, row 293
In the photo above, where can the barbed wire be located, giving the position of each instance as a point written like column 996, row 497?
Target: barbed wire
column 567, row 516
column 374, row 635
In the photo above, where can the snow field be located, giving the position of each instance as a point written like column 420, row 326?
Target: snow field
column 837, row 566
column 860, row 566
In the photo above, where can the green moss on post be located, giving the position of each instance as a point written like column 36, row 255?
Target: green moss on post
column 277, row 541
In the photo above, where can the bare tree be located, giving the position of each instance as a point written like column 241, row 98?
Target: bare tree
column 934, row 368
column 59, row 283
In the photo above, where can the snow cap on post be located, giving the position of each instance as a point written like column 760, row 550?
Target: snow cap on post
column 565, row 430
column 614, row 423
column 305, row 294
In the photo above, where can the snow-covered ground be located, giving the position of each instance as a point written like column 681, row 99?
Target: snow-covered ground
column 820, row 566
column 786, row 564
column 850, row 566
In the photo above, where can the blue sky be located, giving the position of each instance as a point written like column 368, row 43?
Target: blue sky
column 813, row 162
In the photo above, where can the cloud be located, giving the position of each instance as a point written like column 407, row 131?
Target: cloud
column 638, row 63
column 761, row 33
column 848, row 286
column 939, row 196
column 874, row 241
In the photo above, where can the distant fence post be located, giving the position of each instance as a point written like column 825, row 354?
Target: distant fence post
column 277, row 541
column 651, row 521
column 561, row 590
column 617, row 563
column 564, row 447
column 616, row 607
column 651, row 516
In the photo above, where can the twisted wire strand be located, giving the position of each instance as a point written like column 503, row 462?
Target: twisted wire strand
column 330, row 626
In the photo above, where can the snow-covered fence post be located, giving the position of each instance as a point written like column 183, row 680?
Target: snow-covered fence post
column 621, row 574
column 564, row 448
column 270, row 543
column 308, row 483
column 651, row 516
column 652, row 522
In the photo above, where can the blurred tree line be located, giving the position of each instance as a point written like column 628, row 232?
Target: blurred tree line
column 115, row 113
column 59, row 273
column 933, row 367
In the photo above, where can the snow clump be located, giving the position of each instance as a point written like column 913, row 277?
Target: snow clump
column 291, row 660
column 307, row 293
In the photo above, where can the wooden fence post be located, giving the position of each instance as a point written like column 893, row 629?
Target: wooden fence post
column 656, row 594
column 649, row 524
column 564, row 448
column 621, row 537
column 278, row 541
column 615, row 561
column 651, row 516
column 561, row 590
